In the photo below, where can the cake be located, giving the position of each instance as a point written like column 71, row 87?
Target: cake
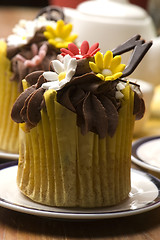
column 31, row 46
column 76, row 126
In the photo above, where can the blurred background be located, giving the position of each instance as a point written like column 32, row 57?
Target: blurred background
column 151, row 6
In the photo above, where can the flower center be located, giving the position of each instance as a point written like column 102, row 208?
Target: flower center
column 58, row 39
column 107, row 72
column 61, row 76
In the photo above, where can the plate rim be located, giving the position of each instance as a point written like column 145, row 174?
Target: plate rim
column 137, row 160
column 80, row 215
column 8, row 155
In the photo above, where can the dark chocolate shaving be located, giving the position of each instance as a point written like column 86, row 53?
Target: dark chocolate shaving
column 31, row 78
column 18, row 105
column 126, row 46
column 139, row 48
column 88, row 120
column 31, row 110
column 94, row 102
column 139, row 107
column 54, row 13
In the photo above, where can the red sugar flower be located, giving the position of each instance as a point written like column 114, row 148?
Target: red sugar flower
column 84, row 52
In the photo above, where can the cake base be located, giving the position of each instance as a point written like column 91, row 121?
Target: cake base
column 58, row 166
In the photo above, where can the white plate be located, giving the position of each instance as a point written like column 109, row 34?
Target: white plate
column 6, row 155
column 144, row 196
column 146, row 153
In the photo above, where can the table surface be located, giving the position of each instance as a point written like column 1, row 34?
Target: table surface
column 18, row 226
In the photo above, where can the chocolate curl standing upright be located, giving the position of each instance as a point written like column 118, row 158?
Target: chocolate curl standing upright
column 139, row 47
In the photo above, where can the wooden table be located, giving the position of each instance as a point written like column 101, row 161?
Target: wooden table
column 19, row 226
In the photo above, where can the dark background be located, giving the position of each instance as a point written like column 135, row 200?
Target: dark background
column 32, row 3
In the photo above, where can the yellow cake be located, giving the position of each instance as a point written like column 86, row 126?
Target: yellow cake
column 76, row 126
column 31, row 47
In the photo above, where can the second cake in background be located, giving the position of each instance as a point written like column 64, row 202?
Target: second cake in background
column 31, row 46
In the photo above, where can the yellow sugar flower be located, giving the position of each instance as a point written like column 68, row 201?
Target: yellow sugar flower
column 107, row 67
column 61, row 36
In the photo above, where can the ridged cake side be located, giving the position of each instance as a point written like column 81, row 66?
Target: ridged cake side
column 59, row 166
column 8, row 95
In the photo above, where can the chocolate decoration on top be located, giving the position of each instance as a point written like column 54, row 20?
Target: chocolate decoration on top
column 52, row 13
column 92, row 99
column 140, row 49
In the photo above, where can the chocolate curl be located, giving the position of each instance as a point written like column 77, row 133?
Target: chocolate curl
column 52, row 13
column 140, row 48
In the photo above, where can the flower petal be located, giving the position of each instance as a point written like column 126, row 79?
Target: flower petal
column 50, row 76
column 72, row 64
column 48, row 35
column 58, row 66
column 67, row 30
column 99, row 60
column 65, row 51
column 62, row 44
column 100, row 76
column 94, row 67
column 51, row 85
column 108, row 56
column 119, row 68
column 71, row 38
column 117, row 75
column 70, row 74
column 94, row 52
column 66, row 60
column 51, row 30
column 115, row 62
column 59, row 28
column 93, row 47
column 84, row 47
column 63, row 82
column 73, row 48
column 52, row 42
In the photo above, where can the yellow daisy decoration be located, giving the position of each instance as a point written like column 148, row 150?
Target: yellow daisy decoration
column 61, row 36
column 107, row 67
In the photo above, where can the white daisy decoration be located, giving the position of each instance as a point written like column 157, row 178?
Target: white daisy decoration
column 26, row 29
column 62, row 75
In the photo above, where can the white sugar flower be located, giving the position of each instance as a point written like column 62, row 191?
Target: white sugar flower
column 26, row 29
column 120, row 86
column 62, row 75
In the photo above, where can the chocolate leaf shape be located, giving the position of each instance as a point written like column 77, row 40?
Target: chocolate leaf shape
column 18, row 105
column 139, row 106
column 31, row 78
column 34, row 106
column 94, row 116
column 112, row 114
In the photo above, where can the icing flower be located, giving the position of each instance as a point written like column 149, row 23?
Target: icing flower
column 61, row 35
column 62, row 75
column 120, row 86
column 107, row 67
column 25, row 30
column 38, row 56
column 84, row 52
